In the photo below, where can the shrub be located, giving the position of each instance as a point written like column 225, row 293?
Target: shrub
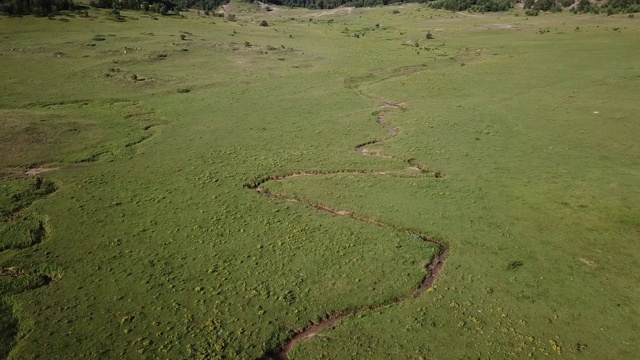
column 583, row 6
column 264, row 23
column 514, row 265
column 473, row 5
column 556, row 8
column 429, row 35
column 544, row 5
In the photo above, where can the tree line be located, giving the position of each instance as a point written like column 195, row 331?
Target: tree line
column 47, row 7
column 53, row 7
column 331, row 4
column 160, row 6
column 533, row 7
column 472, row 5
column 35, row 7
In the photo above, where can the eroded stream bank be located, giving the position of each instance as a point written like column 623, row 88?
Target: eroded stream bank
column 433, row 269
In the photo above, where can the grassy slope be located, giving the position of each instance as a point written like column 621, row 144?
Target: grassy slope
column 165, row 254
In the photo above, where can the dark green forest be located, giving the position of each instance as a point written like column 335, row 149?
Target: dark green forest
column 35, row 7
column 330, row 4
column 472, row 5
column 160, row 6
column 172, row 7
column 54, row 7
column 581, row 6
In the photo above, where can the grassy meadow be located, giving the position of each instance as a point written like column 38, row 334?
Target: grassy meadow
column 133, row 237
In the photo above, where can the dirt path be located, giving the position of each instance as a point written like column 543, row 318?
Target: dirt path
column 337, row 11
column 469, row 14
column 433, row 269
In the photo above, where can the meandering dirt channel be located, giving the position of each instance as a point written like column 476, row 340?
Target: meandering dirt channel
column 434, row 268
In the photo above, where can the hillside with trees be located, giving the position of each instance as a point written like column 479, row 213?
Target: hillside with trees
column 35, row 7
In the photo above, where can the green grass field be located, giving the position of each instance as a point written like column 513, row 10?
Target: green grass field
column 134, row 235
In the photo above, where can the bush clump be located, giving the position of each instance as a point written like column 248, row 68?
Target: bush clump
column 472, row 5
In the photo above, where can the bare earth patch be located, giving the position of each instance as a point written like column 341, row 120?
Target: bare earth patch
column 39, row 170
column 336, row 11
column 588, row 262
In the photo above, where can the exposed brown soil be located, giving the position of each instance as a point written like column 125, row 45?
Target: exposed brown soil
column 392, row 131
column 434, row 268
column 393, row 105
column 13, row 271
column 39, row 170
column 588, row 262
column 336, row 11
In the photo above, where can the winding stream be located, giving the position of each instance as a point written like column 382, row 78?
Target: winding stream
column 433, row 269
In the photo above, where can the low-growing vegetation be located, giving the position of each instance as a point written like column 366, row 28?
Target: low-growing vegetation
column 397, row 182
